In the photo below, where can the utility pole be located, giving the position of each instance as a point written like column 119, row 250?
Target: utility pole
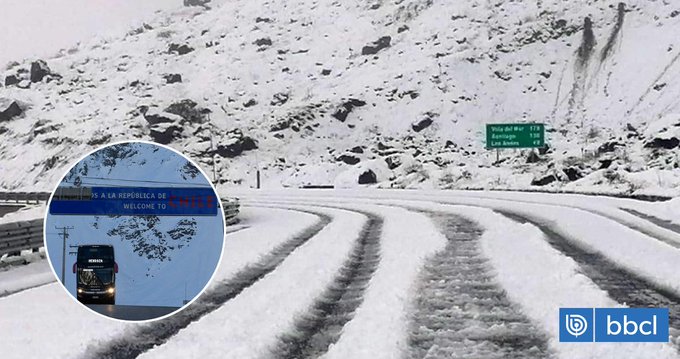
column 213, row 149
column 257, row 171
column 64, row 235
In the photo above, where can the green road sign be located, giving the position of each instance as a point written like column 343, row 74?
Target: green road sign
column 515, row 135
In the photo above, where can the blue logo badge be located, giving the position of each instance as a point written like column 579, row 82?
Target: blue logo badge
column 576, row 324
column 614, row 325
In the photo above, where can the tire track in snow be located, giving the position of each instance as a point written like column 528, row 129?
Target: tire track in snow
column 157, row 333
column 638, row 228
column 622, row 285
column 322, row 325
column 460, row 309
column 656, row 220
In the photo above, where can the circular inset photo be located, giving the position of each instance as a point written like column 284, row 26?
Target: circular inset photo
column 134, row 231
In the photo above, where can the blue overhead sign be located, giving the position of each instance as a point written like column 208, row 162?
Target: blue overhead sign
column 138, row 201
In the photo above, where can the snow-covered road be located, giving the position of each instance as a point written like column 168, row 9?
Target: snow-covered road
column 388, row 274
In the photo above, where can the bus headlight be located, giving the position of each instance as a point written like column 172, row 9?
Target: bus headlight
column 80, row 290
column 110, row 290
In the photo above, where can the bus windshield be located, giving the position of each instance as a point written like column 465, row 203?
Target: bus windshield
column 95, row 277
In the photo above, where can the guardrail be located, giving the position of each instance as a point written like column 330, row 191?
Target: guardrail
column 24, row 197
column 639, row 197
column 18, row 236
column 232, row 207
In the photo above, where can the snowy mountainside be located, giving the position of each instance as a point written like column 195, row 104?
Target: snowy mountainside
column 393, row 92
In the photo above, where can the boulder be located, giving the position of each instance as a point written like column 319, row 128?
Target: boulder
column 605, row 163
column 348, row 159
column 172, row 78
column 189, row 111
column 165, row 133
column 263, row 42
column 368, row 177
column 39, row 70
column 357, row 149
column 281, row 125
column 667, row 143
column 393, row 161
column 346, row 107
column 544, row 180
column 180, row 49
column 533, row 157
column 153, row 116
column 279, row 99
column 236, row 144
column 11, row 80
column 9, row 109
column 422, row 124
column 202, row 3
column 609, row 146
column 573, row 173
column 376, row 46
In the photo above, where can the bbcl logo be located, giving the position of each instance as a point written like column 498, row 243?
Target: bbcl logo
column 613, row 325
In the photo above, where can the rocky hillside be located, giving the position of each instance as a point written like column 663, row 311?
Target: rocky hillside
column 351, row 93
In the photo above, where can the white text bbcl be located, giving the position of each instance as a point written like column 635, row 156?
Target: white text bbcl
column 631, row 327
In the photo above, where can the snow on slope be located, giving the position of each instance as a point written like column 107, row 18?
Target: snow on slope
column 41, row 28
column 274, row 74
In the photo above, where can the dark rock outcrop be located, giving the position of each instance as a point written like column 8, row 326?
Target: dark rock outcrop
column 533, row 157
column 357, row 149
column 165, row 133
column 39, row 70
column 343, row 111
column 605, row 163
column 203, row 3
column 368, row 177
column 189, row 111
column 180, row 49
column 422, row 124
column 279, row 99
column 573, row 173
column 9, row 109
column 393, row 162
column 11, row 80
column 281, row 125
column 667, row 143
column 172, row 78
column 263, row 42
column 609, row 146
column 545, row 180
column 155, row 117
column 348, row 159
column 376, row 46
column 238, row 143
